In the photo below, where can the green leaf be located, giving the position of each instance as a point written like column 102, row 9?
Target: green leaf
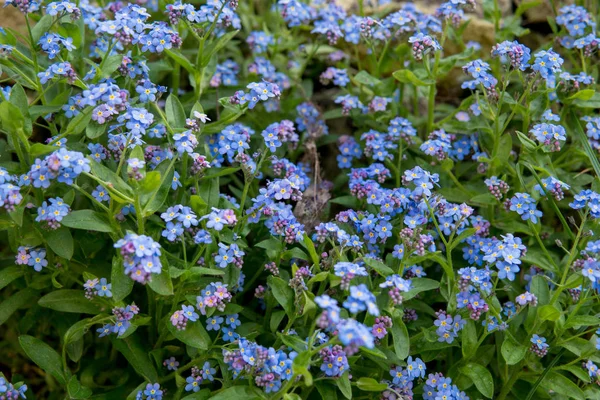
column 77, row 390
column 526, row 5
column 485, row 199
column 293, row 341
column 370, row 385
column 481, row 377
column 237, row 393
column 457, row 240
column 375, row 352
column 80, row 122
column 512, row 351
column 580, row 347
column 137, row 356
column 562, row 385
column 9, row 274
column 61, row 242
column 110, row 180
column 420, row 285
column 152, row 200
column 162, row 283
column 18, row 300
column 11, row 118
column 37, row 111
column 110, row 65
column 407, row 76
column 575, row 125
column 181, row 60
column 193, row 335
column 548, row 313
column 366, row 79
column 79, row 328
column 69, row 300
column 310, row 246
column 276, row 319
column 327, row 390
column 378, row 266
column 221, row 172
column 39, row 149
column 527, row 143
column 122, row 284
column 582, row 320
column 174, row 111
column 583, row 95
column 18, row 97
column 87, row 219
column 206, row 271
column 215, row 46
column 300, row 367
column 401, row 338
column 282, row 293
column 593, row 102
column 44, row 356
column 209, row 192
column 203, row 394
column 469, row 339
column 343, row 383
column 94, row 130
column 42, row 26
column 539, row 287
column 577, row 371
column 348, row 201
column 272, row 247
column 504, row 148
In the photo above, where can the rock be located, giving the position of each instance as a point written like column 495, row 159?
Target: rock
column 11, row 17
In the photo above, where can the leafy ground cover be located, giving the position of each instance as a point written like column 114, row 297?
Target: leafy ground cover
column 294, row 200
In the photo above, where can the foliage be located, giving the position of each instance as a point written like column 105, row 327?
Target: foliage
column 274, row 200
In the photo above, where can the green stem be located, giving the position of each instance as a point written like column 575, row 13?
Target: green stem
column 89, row 196
column 572, row 256
column 514, row 376
column 139, row 213
column 541, row 244
column 399, row 163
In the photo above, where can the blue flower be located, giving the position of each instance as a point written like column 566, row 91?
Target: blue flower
column 141, row 256
column 214, row 323
column 208, row 371
column 147, row 91
column 343, row 269
column 192, row 383
column 232, row 320
column 38, row 260
column 539, row 342
column 100, row 194
column 176, row 183
column 103, row 288
column 153, row 391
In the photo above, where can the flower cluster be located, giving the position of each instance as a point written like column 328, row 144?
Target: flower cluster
column 268, row 367
column 538, row 345
column 524, row 205
column 152, row 391
column 215, row 296
column 258, row 91
column 34, row 257
column 123, row 317
column 10, row 391
column 141, row 256
column 62, row 165
column 198, row 376
column 299, row 186
column 97, row 287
